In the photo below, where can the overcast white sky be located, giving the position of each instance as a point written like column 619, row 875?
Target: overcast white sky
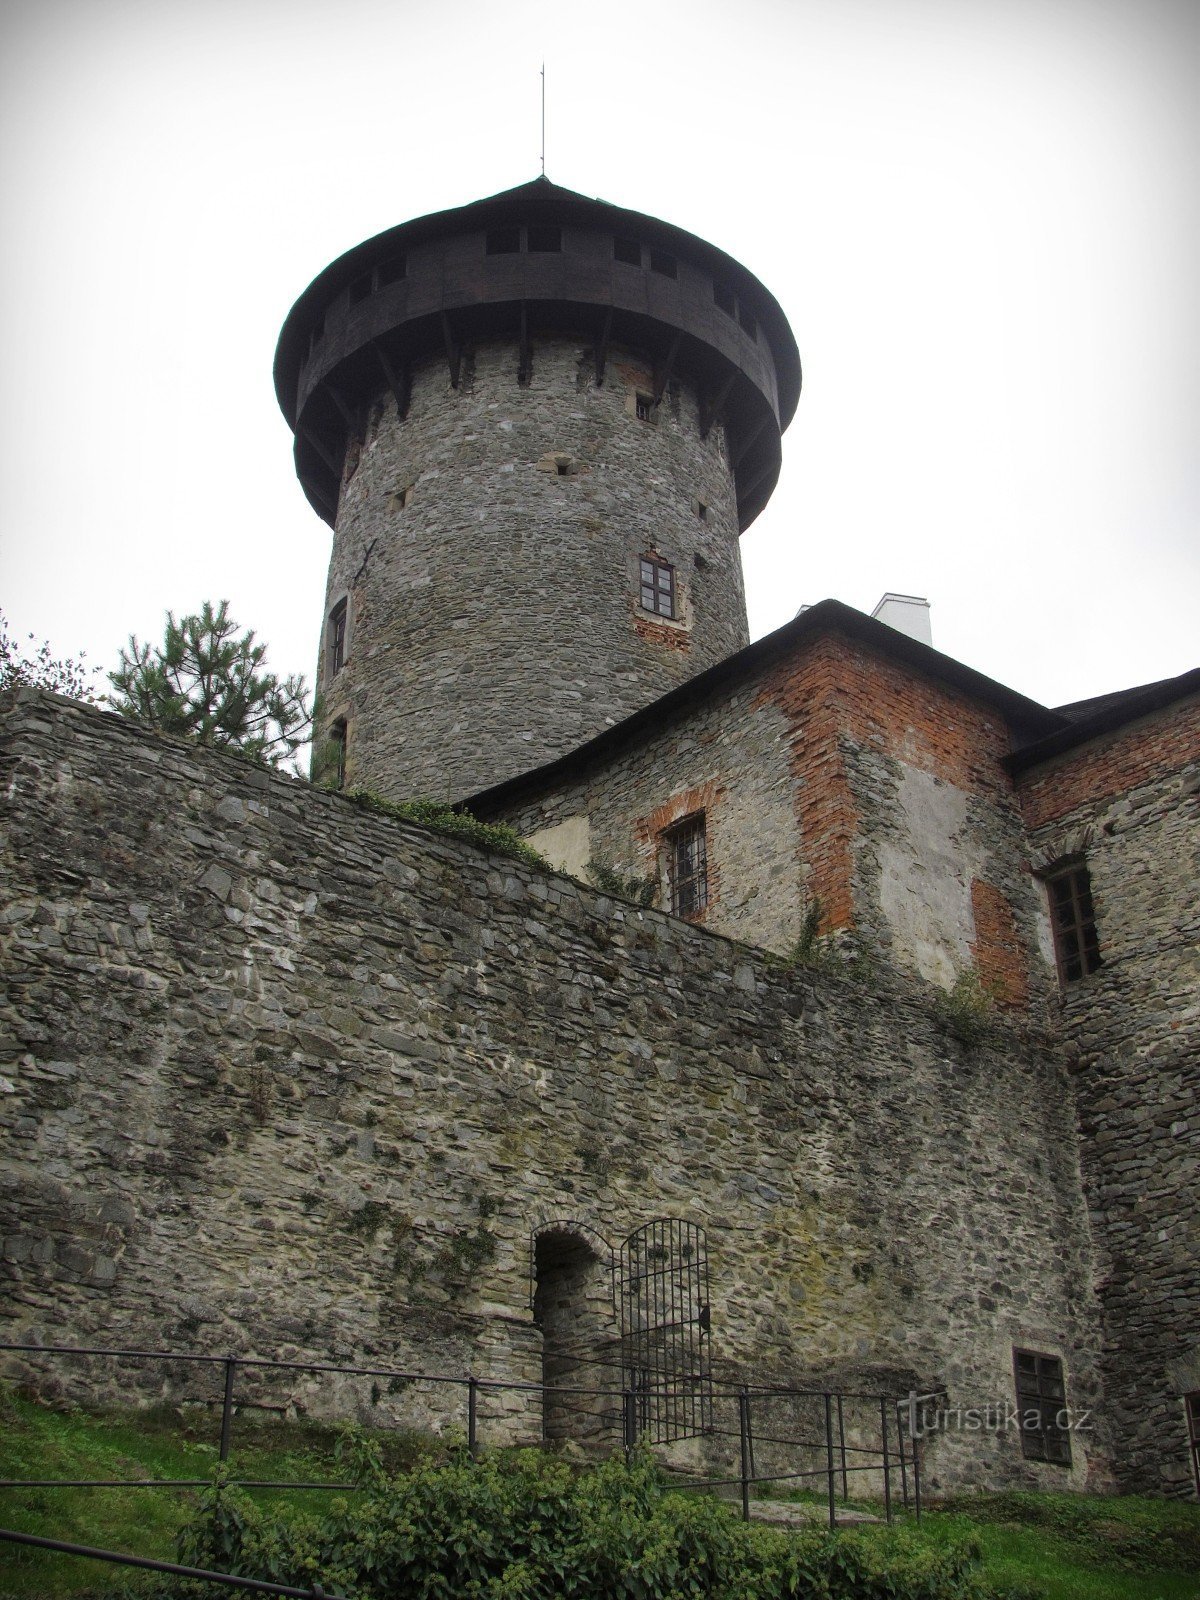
column 982, row 218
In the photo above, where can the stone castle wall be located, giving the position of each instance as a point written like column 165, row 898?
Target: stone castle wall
column 478, row 575
column 1130, row 804
column 834, row 775
column 284, row 1076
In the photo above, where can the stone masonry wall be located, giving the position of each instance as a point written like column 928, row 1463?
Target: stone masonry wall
column 283, row 1076
column 494, row 612
column 1130, row 804
column 835, row 775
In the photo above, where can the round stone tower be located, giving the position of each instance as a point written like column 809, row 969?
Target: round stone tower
column 537, row 425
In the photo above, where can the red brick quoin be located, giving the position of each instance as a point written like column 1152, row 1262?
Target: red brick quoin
column 842, row 691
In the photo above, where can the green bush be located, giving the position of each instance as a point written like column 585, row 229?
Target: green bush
column 967, row 1008
column 640, row 887
column 523, row 1526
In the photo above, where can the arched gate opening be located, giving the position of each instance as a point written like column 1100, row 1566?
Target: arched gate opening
column 581, row 1361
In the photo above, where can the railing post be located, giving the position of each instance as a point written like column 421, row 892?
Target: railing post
column 829, row 1460
column 900, row 1448
column 887, row 1466
column 227, row 1407
column 472, row 1408
column 842, row 1448
column 744, row 1431
column 916, row 1466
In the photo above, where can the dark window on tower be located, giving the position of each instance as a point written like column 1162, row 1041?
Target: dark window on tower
column 1042, row 1408
column 1076, row 943
column 627, row 250
column 360, row 289
column 544, row 238
column 724, row 300
column 337, row 739
column 747, row 321
column 661, row 261
column 687, row 866
column 391, row 271
column 643, row 407
column 503, row 241
column 1192, row 1405
column 657, row 587
column 337, row 638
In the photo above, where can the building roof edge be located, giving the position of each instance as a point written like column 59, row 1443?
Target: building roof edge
column 1024, row 716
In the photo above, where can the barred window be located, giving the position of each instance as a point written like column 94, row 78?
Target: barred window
column 1073, row 917
column 657, row 587
column 687, row 866
column 337, row 638
column 1042, row 1407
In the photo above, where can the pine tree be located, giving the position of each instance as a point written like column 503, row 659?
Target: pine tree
column 206, row 683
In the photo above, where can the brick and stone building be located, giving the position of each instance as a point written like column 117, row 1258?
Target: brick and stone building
column 871, row 973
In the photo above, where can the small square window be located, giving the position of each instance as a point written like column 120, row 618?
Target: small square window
column 663, row 262
column 627, row 250
column 657, row 587
column 544, row 239
column 360, row 289
column 337, row 638
column 687, row 866
column 1042, row 1408
column 723, row 298
column 643, row 407
column 391, row 271
column 503, row 241
column 1073, row 920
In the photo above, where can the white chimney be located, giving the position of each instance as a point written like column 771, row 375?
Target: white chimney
column 907, row 613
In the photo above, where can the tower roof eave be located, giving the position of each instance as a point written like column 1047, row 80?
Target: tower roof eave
column 539, row 201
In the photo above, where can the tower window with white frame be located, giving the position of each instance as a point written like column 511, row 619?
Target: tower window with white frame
column 657, row 587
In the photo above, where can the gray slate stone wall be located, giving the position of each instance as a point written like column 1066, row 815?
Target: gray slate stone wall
column 287, row 1077
column 1133, row 1030
column 494, row 615
column 728, row 756
column 920, row 840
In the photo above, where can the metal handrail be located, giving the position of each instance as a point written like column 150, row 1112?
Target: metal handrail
column 257, row 1585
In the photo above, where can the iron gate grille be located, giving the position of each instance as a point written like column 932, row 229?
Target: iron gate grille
column 665, row 1328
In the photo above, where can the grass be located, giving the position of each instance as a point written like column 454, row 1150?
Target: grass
column 36, row 1442
column 1053, row 1547
column 1062, row 1546
column 1081, row 1547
